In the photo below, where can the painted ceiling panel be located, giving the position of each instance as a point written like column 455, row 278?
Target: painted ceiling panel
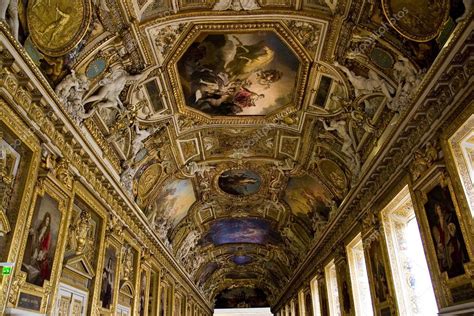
column 238, row 129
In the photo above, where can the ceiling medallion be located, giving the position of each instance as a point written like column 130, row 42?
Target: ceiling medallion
column 237, row 72
column 239, row 182
column 57, row 26
column 419, row 21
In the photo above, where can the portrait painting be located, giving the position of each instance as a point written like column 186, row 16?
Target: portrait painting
column 308, row 197
column 174, row 200
column 446, row 234
column 143, row 284
column 42, row 240
column 242, row 230
column 230, row 74
column 108, row 277
column 239, row 182
column 241, row 297
column 379, row 272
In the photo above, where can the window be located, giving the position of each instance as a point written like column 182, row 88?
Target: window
column 410, row 272
column 333, row 294
column 462, row 148
column 359, row 277
column 315, row 297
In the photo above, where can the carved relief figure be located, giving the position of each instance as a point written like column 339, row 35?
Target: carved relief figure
column 127, row 263
column 71, row 92
column 108, row 95
column 82, row 230
column 368, row 85
column 236, row 5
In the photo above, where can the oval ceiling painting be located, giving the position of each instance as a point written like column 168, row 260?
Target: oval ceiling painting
column 420, row 20
column 239, row 182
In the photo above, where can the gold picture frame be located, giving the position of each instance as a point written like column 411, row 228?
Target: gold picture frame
column 112, row 249
column 40, row 266
column 435, row 201
column 24, row 135
column 81, row 193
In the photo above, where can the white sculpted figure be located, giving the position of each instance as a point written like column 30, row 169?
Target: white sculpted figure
column 408, row 78
column 161, row 223
column 340, row 127
column 369, row 85
column 188, row 244
column 236, row 5
column 71, row 92
column 10, row 7
column 467, row 9
column 108, row 95
column 126, row 177
column 140, row 136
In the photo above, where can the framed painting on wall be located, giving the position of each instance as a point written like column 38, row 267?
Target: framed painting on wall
column 42, row 240
column 446, row 237
column 109, row 277
column 43, row 246
column 20, row 153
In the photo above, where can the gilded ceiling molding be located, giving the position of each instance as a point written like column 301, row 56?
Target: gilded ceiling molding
column 78, row 152
column 423, row 118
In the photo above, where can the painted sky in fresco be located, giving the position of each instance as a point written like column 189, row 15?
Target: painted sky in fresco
column 306, row 194
column 238, row 73
column 175, row 199
column 245, row 230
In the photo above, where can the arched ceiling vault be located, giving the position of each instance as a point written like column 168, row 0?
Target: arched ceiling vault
column 239, row 127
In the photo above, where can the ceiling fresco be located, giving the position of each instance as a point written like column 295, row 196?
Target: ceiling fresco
column 239, row 131
column 238, row 73
column 239, row 182
column 241, row 297
column 247, row 230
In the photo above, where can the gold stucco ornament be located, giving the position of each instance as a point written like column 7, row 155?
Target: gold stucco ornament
column 57, row 26
column 419, row 21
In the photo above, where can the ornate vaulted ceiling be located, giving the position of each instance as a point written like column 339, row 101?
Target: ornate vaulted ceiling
column 238, row 127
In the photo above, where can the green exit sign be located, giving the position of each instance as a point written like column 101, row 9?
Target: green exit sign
column 6, row 270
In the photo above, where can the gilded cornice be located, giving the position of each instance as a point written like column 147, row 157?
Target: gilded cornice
column 83, row 157
column 436, row 99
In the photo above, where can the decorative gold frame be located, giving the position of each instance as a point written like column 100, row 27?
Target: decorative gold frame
column 284, row 34
column 114, row 243
column 74, row 38
column 80, row 191
column 24, row 134
column 44, row 186
column 463, row 200
column 368, row 240
column 443, row 285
